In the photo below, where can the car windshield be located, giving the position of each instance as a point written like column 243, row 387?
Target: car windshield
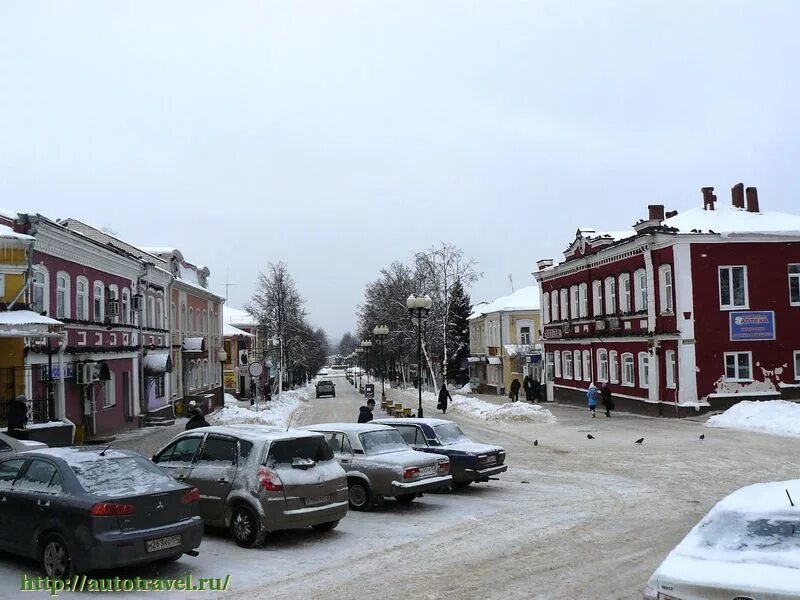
column 126, row 476
column 310, row 448
column 733, row 533
column 449, row 433
column 378, row 442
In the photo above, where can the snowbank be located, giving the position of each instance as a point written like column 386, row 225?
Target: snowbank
column 467, row 389
column 279, row 412
column 777, row 417
column 480, row 410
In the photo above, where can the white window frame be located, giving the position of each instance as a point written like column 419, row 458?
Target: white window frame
column 557, row 363
column 610, row 292
column 627, row 359
column 574, row 302
column 624, row 289
column 82, row 300
column 666, row 287
column 577, row 370
column 65, row 290
column 102, row 298
column 125, row 306
column 728, row 269
column 670, row 369
column 522, row 341
column 567, row 370
column 640, row 290
column 587, row 366
column 602, row 365
column 109, row 392
column 597, row 298
column 794, row 278
column 736, row 356
column 159, row 313
column 150, row 318
column 44, row 285
column 583, row 300
column 613, row 366
column 565, row 316
column 546, row 308
column 113, row 293
column 644, row 370
column 554, row 305
column 796, row 357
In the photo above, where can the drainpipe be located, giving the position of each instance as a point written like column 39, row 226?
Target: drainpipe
column 142, row 387
column 62, row 398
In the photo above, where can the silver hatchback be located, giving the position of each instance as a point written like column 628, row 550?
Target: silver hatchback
column 254, row 479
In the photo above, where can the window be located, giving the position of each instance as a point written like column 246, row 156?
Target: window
column 557, row 363
column 583, row 300
column 644, row 370
column 159, row 314
column 627, row 369
column 597, row 298
column 9, row 469
column 181, row 451
column 40, row 476
column 81, row 299
column 624, row 293
column 205, row 322
column 126, row 306
column 112, row 305
column 640, row 290
column 567, row 366
column 613, row 367
column 41, row 284
column 109, row 396
column 669, row 367
column 160, row 387
column 738, row 366
column 99, row 301
column 794, row 285
column 525, row 336
column 554, row 305
column 587, row 366
column 602, row 365
column 546, row 308
column 565, row 316
column 797, row 365
column 665, row 275
column 219, row 450
column 62, row 296
column 577, row 365
column 611, row 296
column 732, row 287
column 151, row 312
column 574, row 302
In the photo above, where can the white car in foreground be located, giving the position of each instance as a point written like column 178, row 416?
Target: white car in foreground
column 746, row 547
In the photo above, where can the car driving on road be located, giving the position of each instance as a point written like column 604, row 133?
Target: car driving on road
column 80, row 509
column 254, row 479
column 380, row 464
column 469, row 461
column 326, row 388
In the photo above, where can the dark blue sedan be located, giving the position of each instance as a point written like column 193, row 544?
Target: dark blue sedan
column 469, row 461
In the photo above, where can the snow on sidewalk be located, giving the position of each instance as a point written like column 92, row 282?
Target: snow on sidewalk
column 480, row 410
column 778, row 417
column 281, row 412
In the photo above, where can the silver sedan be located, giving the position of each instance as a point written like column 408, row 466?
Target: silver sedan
column 10, row 445
column 380, row 464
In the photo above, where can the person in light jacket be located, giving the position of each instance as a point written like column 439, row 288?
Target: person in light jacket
column 591, row 396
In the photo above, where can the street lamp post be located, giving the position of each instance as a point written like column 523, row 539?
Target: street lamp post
column 366, row 345
column 360, row 353
column 279, row 341
column 419, row 306
column 380, row 332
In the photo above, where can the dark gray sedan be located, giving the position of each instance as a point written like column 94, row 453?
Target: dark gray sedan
column 80, row 509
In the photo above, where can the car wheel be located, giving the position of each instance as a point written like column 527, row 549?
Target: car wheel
column 246, row 528
column 56, row 562
column 462, row 484
column 406, row 498
column 358, row 495
column 329, row 526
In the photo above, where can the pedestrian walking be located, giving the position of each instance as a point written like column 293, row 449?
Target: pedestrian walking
column 536, row 389
column 607, row 400
column 196, row 417
column 18, row 417
column 527, row 385
column 444, row 396
column 365, row 412
column 591, row 395
column 514, row 395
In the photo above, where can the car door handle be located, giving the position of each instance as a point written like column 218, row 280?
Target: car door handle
column 222, row 480
column 3, row 499
column 43, row 503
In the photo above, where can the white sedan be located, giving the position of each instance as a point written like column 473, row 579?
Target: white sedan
column 10, row 445
column 747, row 546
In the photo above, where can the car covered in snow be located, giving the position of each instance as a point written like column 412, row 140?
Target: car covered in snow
column 469, row 461
column 380, row 464
column 255, row 479
column 747, row 546
column 326, row 388
column 11, row 445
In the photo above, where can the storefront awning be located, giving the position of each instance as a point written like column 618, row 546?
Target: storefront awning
column 194, row 344
column 26, row 323
column 494, row 360
column 473, row 359
column 157, row 363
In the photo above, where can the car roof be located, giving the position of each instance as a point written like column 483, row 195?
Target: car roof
column 252, row 432
column 347, row 427
column 77, row 454
column 416, row 421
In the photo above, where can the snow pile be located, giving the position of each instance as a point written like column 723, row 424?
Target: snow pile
column 278, row 413
column 509, row 411
column 467, row 389
column 778, row 417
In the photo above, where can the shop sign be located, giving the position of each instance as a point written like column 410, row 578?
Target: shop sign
column 752, row 325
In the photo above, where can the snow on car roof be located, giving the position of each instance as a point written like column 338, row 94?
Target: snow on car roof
column 761, row 498
column 414, row 420
column 80, row 454
column 348, row 427
column 255, row 432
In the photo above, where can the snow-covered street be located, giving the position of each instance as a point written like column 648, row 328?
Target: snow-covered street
column 571, row 517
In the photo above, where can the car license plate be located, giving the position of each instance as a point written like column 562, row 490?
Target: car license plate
column 428, row 470
column 157, row 544
column 318, row 500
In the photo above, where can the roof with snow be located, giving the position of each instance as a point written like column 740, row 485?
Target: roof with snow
column 7, row 233
column 526, row 298
column 590, row 234
column 231, row 331
column 237, row 316
column 726, row 218
column 25, row 317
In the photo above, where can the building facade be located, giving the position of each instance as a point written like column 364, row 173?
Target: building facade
column 684, row 312
column 243, row 346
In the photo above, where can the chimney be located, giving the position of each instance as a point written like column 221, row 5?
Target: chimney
column 655, row 212
column 544, row 263
column 708, row 198
column 752, row 200
column 737, row 195
column 671, row 213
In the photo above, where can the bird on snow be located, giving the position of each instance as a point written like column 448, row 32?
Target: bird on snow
column 702, row 436
column 639, row 441
column 535, row 442
column 589, row 436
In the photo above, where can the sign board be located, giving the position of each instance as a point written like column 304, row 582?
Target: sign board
column 752, row 325
column 534, row 358
column 553, row 333
column 55, row 372
column 369, row 390
column 256, row 369
column 229, row 379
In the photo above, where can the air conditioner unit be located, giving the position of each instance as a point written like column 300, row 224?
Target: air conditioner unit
column 87, row 373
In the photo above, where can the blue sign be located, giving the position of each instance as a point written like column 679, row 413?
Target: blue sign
column 752, row 325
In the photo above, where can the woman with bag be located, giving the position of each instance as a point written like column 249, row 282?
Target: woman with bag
column 444, row 396
column 605, row 396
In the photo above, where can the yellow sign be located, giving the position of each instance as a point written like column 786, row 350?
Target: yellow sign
column 230, row 380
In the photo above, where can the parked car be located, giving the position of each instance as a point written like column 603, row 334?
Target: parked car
column 326, row 388
column 747, row 546
column 80, row 509
column 469, row 461
column 380, row 464
column 10, row 445
column 254, row 479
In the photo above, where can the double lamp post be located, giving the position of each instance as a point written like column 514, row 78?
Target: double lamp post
column 419, row 306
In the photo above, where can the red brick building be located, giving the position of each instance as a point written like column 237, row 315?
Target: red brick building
column 684, row 312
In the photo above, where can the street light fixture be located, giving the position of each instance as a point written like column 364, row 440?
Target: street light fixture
column 360, row 353
column 419, row 306
column 380, row 332
column 366, row 345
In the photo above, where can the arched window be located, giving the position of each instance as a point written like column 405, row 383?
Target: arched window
column 125, row 309
column 40, row 299
column 602, row 365
column 82, row 299
column 577, row 365
column 565, row 316
column 611, row 296
column 624, row 293
column 567, row 366
column 644, row 370
column 597, row 297
column 112, row 304
column 574, row 302
column 159, row 313
column 583, row 300
column 640, row 290
column 546, row 308
column 99, row 301
column 557, row 363
column 613, row 367
column 587, row 366
column 150, row 318
column 627, row 369
column 554, row 305
column 665, row 277
column 62, row 296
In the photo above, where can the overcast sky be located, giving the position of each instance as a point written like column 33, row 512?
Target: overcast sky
column 339, row 136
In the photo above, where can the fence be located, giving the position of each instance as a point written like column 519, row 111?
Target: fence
column 41, row 405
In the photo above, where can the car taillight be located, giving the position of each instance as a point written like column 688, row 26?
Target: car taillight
column 444, row 467
column 111, row 509
column 191, row 496
column 269, row 480
column 411, row 472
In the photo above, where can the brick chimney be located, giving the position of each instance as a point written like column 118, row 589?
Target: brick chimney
column 544, row 263
column 671, row 213
column 752, row 200
column 708, row 198
column 655, row 212
column 737, row 195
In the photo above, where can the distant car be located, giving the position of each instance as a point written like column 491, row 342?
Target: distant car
column 747, row 546
column 469, row 461
column 254, row 479
column 380, row 464
column 80, row 509
column 10, row 445
column 326, row 388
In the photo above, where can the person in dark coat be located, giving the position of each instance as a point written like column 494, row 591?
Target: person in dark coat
column 196, row 419
column 365, row 412
column 17, row 417
column 514, row 395
column 606, row 399
column 536, row 390
column 444, row 396
column 527, row 385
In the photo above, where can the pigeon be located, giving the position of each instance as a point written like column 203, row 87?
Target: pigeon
column 702, row 436
column 589, row 436
column 639, row 441
column 535, row 442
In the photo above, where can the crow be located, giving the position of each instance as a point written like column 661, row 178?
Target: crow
column 535, row 442
column 702, row 436
column 639, row 441
column 589, row 436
